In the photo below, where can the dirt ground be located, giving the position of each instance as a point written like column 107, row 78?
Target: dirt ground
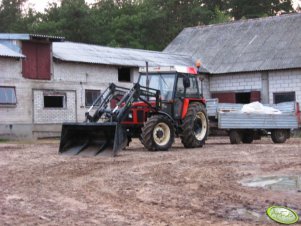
column 178, row 187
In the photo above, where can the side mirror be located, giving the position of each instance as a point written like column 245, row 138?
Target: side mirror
column 186, row 82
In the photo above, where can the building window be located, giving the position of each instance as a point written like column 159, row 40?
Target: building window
column 37, row 63
column 91, row 96
column 284, row 97
column 124, row 74
column 55, row 100
column 243, row 98
column 8, row 95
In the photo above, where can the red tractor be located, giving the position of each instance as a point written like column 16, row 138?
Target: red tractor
column 164, row 104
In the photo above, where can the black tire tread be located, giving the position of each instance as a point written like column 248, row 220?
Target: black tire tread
column 188, row 138
column 235, row 137
column 279, row 140
column 147, row 133
column 248, row 137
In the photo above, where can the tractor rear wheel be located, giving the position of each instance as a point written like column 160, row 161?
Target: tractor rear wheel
column 157, row 133
column 195, row 126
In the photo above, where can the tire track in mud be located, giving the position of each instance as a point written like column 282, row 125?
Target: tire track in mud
column 180, row 187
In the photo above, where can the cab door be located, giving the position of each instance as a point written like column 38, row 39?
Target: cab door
column 179, row 96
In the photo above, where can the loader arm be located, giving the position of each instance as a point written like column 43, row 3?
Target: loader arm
column 128, row 97
column 96, row 136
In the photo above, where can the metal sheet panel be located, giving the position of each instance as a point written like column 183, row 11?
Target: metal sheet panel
column 237, row 120
column 85, row 53
column 211, row 106
column 7, row 52
column 243, row 46
column 24, row 37
column 286, row 107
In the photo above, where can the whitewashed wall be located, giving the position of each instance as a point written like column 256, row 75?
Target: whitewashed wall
column 11, row 75
column 53, row 115
column 285, row 81
column 235, row 82
column 80, row 77
column 10, row 68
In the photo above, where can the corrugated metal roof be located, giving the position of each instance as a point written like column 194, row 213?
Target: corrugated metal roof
column 270, row 43
column 9, row 36
column 94, row 54
column 7, row 52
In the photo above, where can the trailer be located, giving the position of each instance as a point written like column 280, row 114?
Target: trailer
column 245, row 127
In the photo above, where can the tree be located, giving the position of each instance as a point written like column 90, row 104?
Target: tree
column 10, row 15
column 258, row 8
column 72, row 20
column 146, row 24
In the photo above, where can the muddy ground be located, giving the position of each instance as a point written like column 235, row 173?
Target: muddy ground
column 178, row 187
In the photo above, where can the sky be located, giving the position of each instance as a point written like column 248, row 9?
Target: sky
column 40, row 5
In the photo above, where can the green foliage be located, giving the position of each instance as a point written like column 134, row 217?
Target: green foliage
column 10, row 15
column 258, row 8
column 147, row 24
column 72, row 20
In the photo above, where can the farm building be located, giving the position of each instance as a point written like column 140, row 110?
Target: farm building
column 45, row 81
column 248, row 60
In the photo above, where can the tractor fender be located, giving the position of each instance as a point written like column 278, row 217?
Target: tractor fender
column 163, row 113
column 186, row 103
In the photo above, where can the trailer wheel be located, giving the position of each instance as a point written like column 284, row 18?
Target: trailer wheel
column 235, row 137
column 195, row 126
column 279, row 136
column 248, row 137
column 157, row 133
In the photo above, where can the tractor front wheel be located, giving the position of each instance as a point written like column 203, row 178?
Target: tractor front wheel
column 157, row 133
column 195, row 126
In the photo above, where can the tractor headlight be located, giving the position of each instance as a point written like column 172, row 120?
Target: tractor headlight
column 130, row 116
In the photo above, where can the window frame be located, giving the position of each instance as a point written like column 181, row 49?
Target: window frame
column 15, row 95
column 130, row 75
column 89, row 90
column 283, row 93
column 55, row 94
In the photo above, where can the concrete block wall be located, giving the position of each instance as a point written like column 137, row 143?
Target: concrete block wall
column 15, row 120
column 285, row 81
column 84, row 73
column 11, row 68
column 205, row 86
column 80, row 77
column 11, row 75
column 53, row 115
column 235, row 82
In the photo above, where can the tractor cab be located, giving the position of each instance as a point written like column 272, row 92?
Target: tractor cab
column 177, row 85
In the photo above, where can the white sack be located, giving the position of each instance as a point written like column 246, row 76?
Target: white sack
column 258, row 108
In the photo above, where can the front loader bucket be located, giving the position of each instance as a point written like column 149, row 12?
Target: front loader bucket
column 91, row 139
